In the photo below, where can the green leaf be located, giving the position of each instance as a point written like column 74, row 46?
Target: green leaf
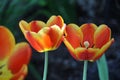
column 102, row 68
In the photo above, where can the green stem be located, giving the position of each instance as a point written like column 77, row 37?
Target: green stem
column 45, row 66
column 85, row 70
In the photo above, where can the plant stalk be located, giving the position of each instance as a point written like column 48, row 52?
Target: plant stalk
column 45, row 66
column 85, row 70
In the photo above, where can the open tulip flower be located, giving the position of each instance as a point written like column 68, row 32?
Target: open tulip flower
column 44, row 36
column 13, row 57
column 87, row 42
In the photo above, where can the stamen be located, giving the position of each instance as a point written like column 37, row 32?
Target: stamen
column 86, row 43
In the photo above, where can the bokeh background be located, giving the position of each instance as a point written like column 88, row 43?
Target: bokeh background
column 61, row 65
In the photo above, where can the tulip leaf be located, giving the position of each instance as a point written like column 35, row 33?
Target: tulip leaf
column 102, row 68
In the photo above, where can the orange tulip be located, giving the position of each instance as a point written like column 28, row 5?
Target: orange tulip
column 87, row 42
column 13, row 57
column 44, row 37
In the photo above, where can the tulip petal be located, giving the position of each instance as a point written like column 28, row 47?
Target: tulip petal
column 86, row 54
column 35, row 26
column 7, row 42
column 44, row 38
column 55, row 34
column 60, row 38
column 21, row 55
column 21, row 74
column 102, row 36
column 70, row 48
column 74, row 35
column 41, row 40
column 103, row 49
column 31, row 38
column 24, row 26
column 55, row 20
column 88, row 33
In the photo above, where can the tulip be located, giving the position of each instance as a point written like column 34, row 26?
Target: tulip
column 44, row 36
column 87, row 42
column 14, row 58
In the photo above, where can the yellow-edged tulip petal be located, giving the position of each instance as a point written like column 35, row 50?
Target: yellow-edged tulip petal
column 102, row 36
column 21, row 55
column 86, row 54
column 74, row 35
column 71, row 49
column 32, row 40
column 55, row 20
column 44, row 38
column 24, row 26
column 103, row 49
column 7, row 42
column 40, row 41
column 55, row 34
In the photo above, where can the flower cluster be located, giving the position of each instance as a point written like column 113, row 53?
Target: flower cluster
column 87, row 42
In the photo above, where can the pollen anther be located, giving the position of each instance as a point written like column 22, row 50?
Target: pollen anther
column 86, row 44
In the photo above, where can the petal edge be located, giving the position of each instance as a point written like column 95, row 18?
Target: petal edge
column 7, row 42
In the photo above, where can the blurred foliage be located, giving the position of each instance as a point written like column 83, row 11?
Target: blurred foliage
column 12, row 11
column 66, row 8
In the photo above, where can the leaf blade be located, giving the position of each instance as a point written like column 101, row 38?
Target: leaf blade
column 103, row 68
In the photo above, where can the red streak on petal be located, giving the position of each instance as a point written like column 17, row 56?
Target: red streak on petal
column 86, row 54
column 88, row 33
column 35, row 26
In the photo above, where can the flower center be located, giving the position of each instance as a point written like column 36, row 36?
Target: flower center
column 5, row 74
column 86, row 44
